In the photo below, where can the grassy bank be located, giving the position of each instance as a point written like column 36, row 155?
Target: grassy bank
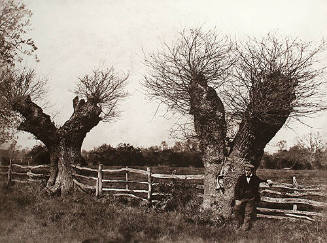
column 28, row 216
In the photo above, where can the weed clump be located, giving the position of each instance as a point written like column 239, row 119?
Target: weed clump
column 176, row 195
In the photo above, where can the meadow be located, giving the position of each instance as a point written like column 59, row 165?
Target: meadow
column 28, row 215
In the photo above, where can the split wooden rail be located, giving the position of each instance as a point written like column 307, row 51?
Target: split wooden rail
column 24, row 173
column 103, row 178
column 126, row 191
column 280, row 201
column 292, row 201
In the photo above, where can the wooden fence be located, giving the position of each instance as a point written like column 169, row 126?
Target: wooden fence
column 24, row 174
column 279, row 201
column 292, row 201
column 103, row 177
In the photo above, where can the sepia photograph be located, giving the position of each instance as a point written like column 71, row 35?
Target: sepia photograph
column 163, row 121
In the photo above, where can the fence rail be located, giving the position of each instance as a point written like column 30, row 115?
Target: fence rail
column 15, row 176
column 181, row 177
column 98, row 181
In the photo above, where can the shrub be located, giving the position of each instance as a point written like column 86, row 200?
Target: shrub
column 177, row 195
column 38, row 155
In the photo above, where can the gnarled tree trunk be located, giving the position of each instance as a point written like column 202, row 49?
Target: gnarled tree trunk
column 210, row 126
column 64, row 143
column 222, row 169
column 249, row 145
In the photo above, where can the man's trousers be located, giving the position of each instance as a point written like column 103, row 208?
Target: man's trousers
column 245, row 212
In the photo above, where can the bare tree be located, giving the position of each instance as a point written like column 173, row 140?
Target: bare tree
column 256, row 85
column 101, row 92
column 315, row 145
column 171, row 71
column 281, row 145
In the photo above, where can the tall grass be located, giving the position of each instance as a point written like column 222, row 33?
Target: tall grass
column 27, row 215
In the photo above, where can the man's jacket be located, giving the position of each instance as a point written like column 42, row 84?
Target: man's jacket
column 247, row 190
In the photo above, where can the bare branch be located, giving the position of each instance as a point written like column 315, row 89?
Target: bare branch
column 103, row 88
column 260, row 85
column 276, row 78
column 17, row 85
column 313, row 142
column 171, row 71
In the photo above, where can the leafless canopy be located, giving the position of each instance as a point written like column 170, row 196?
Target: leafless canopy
column 314, row 142
column 21, row 83
column 104, row 88
column 15, row 85
column 269, row 79
column 276, row 77
column 171, row 70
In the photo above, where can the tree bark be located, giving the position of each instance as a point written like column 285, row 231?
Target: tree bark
column 253, row 136
column 221, row 169
column 63, row 181
column 36, row 121
column 210, row 126
column 64, row 143
column 249, row 144
column 53, row 165
column 229, row 171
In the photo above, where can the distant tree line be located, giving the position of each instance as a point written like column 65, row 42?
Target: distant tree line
column 310, row 152
column 180, row 155
column 296, row 158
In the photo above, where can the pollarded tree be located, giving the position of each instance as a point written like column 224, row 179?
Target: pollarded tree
column 97, row 99
column 257, row 85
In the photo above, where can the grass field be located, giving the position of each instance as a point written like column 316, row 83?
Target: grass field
column 26, row 215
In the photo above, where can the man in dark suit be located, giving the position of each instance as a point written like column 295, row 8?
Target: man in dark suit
column 247, row 196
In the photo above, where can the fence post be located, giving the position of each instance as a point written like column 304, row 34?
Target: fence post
column 98, row 188
column 295, row 185
column 9, row 172
column 126, row 176
column 148, row 169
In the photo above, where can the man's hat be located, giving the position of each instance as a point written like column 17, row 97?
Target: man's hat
column 248, row 165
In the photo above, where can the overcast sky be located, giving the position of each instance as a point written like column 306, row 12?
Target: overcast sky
column 74, row 37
